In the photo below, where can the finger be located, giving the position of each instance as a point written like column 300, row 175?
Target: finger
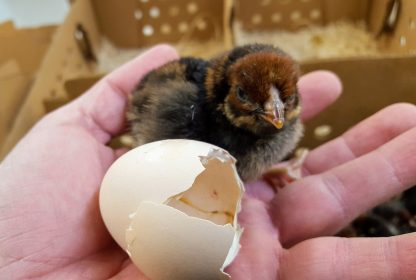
column 128, row 76
column 120, row 151
column 318, row 90
column 90, row 265
column 102, row 109
column 362, row 138
column 355, row 259
column 105, row 103
column 259, row 252
column 129, row 271
column 323, row 204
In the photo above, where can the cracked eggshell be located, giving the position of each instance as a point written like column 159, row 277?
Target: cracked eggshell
column 172, row 206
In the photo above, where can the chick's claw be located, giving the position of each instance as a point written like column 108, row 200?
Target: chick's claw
column 286, row 172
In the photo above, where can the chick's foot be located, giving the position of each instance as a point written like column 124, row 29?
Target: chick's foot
column 286, row 172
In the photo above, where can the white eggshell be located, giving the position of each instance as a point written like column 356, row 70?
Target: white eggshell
column 172, row 205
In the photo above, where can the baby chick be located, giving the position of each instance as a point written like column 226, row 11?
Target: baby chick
column 245, row 101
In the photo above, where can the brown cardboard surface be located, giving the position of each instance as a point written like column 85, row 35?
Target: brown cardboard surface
column 117, row 22
column 168, row 21
column 18, row 66
column 403, row 37
column 9, row 68
column 271, row 15
column 15, row 42
column 12, row 94
column 369, row 85
column 6, row 27
column 376, row 16
column 54, row 103
column 63, row 61
column 336, row 10
column 292, row 15
column 76, row 87
column 227, row 23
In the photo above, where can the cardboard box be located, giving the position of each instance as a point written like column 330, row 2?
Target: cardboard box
column 370, row 83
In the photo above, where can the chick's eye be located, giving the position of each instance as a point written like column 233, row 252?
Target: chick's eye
column 291, row 99
column 241, row 95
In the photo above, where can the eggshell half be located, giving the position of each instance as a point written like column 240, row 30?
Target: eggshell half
column 173, row 205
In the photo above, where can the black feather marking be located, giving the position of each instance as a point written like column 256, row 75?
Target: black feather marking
column 221, row 89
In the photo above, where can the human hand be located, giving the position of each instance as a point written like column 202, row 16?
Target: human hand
column 286, row 234
column 50, row 224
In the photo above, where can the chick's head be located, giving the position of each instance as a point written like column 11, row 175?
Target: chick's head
column 263, row 96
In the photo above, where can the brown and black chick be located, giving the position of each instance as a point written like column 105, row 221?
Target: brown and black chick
column 245, row 101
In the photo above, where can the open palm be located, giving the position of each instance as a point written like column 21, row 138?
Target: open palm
column 50, row 225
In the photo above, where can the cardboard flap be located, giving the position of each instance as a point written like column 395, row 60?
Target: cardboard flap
column 15, row 42
column 8, row 69
column 63, row 61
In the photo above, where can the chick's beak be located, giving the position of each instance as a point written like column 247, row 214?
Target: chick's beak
column 275, row 110
column 275, row 118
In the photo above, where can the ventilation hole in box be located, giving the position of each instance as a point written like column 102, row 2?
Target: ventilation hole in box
column 192, row 8
column 174, row 11
column 276, row 17
column 265, row 2
column 412, row 24
column 201, row 24
column 148, row 30
column 256, row 19
column 403, row 41
column 315, row 14
column 138, row 14
column 295, row 15
column 183, row 27
column 165, row 28
column 154, row 12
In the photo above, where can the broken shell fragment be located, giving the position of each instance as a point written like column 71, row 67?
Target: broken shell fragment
column 172, row 205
